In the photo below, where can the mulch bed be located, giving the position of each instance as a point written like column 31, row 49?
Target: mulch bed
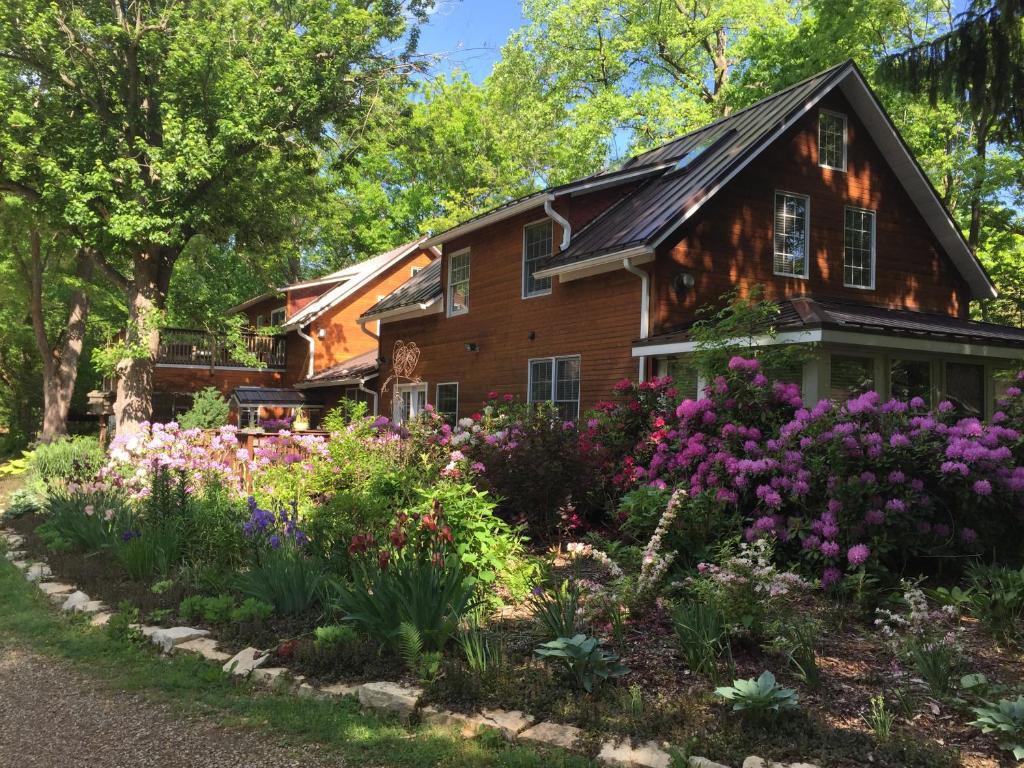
column 677, row 706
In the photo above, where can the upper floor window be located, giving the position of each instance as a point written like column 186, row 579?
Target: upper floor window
column 536, row 248
column 832, row 140
column 791, row 214
column 277, row 316
column 557, row 380
column 458, row 283
column 859, row 249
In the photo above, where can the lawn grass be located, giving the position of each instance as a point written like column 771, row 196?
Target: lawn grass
column 195, row 687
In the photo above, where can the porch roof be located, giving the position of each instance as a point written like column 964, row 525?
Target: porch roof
column 800, row 316
column 351, row 371
column 269, row 397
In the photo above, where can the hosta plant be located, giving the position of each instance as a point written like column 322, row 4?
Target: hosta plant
column 1004, row 719
column 760, row 697
column 584, row 659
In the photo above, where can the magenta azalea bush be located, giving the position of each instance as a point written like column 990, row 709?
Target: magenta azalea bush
column 840, row 486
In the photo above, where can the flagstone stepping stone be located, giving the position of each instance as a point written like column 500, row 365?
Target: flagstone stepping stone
column 15, row 554
column 100, row 619
column 341, row 689
column 553, row 734
column 703, row 762
column 205, row 647
column 74, row 600
column 38, row 571
column 21, row 565
column 166, row 639
column 93, row 607
column 623, row 754
column 390, row 697
column 55, row 589
column 509, row 722
column 14, row 541
column 269, row 676
column 245, row 661
column 759, row 762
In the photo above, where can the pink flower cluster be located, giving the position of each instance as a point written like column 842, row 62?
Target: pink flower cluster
column 838, row 486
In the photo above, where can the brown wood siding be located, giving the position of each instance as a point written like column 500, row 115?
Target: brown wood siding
column 343, row 338
column 596, row 318
column 264, row 308
column 729, row 242
column 300, row 298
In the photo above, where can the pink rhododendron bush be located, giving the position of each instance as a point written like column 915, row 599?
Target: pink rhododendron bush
column 839, row 487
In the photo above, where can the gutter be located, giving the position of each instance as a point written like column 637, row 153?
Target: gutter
column 370, row 392
column 645, row 308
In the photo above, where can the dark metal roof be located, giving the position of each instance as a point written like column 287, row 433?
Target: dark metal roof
column 358, row 367
column 807, row 313
column 641, row 217
column 269, row 396
column 421, row 288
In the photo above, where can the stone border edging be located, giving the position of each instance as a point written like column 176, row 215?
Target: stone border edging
column 385, row 697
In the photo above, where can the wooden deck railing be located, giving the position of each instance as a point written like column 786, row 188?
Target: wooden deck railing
column 186, row 346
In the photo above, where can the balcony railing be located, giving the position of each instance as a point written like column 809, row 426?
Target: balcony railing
column 186, row 346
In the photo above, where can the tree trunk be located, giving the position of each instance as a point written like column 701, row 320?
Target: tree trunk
column 59, row 362
column 147, row 295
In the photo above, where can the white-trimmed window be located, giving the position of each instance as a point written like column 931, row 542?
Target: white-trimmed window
column 248, row 417
column 850, row 376
column 410, row 400
column 458, row 283
column 277, row 316
column 792, row 212
column 859, row 249
column 447, row 401
column 536, row 248
column 832, row 140
column 556, row 380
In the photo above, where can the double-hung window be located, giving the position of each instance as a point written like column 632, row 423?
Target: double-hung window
column 832, row 140
column 458, row 283
column 447, row 401
column 536, row 248
column 277, row 316
column 791, row 225
column 859, row 249
column 557, row 380
column 410, row 400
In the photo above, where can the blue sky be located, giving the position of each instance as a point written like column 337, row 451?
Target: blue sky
column 470, row 33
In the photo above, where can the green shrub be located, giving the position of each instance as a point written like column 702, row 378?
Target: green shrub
column 759, row 698
column 424, row 664
column 67, row 460
column 703, row 636
column 211, row 522
column 24, row 501
column 431, row 597
column 1005, row 719
column 557, row 610
column 88, row 521
column 334, row 634
column 252, row 611
column 996, row 599
column 209, row 410
column 286, row 578
column 150, row 552
column 584, row 659
column 213, row 610
column 123, row 625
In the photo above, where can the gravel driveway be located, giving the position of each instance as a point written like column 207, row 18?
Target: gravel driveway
column 51, row 717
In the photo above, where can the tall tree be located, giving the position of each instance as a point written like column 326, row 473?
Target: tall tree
column 138, row 125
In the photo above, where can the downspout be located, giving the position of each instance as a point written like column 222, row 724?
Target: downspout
column 312, row 349
column 362, row 388
column 645, row 308
column 561, row 221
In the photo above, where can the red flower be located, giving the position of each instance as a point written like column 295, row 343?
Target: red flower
column 508, row 397
column 383, row 558
column 429, row 523
column 476, row 417
column 286, row 650
column 437, row 560
column 492, row 395
column 446, row 534
column 398, row 537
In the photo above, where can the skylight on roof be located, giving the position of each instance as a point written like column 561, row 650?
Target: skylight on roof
column 700, row 148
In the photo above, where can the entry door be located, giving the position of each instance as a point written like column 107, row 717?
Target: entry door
column 410, row 400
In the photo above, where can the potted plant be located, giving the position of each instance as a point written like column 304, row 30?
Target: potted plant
column 301, row 422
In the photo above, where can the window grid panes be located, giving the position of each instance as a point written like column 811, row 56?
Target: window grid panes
column 458, row 283
column 536, row 247
column 447, row 403
column 277, row 316
column 965, row 388
column 832, row 141
column 909, row 379
column 557, row 380
column 410, row 399
column 790, row 234
column 859, row 250
column 850, row 376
